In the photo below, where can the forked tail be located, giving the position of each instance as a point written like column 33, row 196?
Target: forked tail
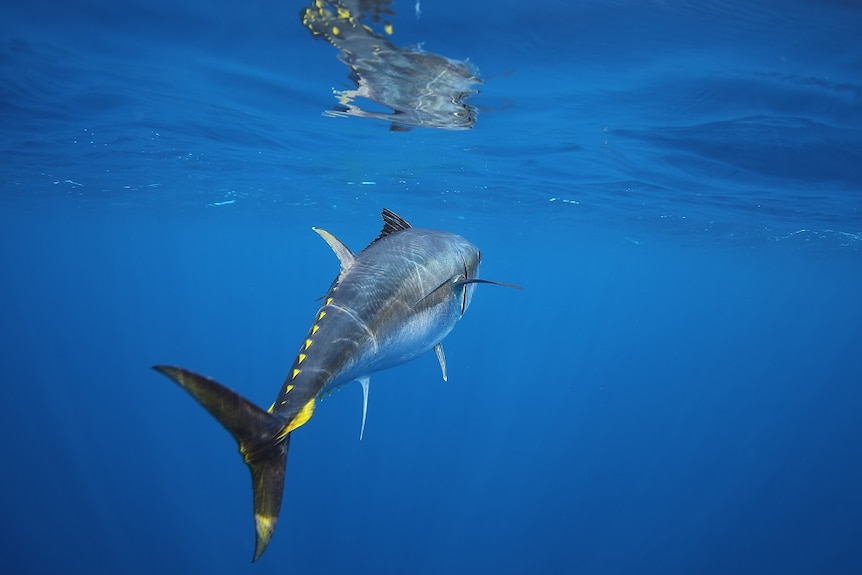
column 262, row 441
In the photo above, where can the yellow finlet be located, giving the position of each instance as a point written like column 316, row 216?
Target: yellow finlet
column 295, row 373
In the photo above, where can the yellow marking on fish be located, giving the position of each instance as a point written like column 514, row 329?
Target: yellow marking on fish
column 314, row 329
column 295, row 373
column 264, row 524
column 343, row 13
column 289, row 388
column 335, row 31
column 301, row 418
column 308, row 343
column 301, row 358
column 388, row 28
column 328, row 300
column 321, row 315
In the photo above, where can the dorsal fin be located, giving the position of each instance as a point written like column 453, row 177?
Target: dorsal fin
column 345, row 256
column 392, row 223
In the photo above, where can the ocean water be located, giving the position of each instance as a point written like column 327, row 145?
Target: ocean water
column 677, row 185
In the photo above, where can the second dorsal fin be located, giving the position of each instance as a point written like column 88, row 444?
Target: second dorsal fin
column 345, row 256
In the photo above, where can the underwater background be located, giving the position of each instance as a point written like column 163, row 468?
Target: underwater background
column 677, row 185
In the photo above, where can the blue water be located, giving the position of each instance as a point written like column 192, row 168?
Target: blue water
column 677, row 185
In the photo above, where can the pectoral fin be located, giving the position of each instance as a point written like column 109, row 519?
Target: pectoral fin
column 452, row 284
column 481, row 281
column 441, row 357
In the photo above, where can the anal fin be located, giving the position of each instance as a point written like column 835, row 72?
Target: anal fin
column 364, row 381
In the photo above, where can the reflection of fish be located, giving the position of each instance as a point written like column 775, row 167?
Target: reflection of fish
column 421, row 89
column 396, row 299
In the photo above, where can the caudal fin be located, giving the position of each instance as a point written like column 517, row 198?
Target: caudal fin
column 261, row 438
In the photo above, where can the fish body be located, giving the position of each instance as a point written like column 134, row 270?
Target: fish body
column 398, row 298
